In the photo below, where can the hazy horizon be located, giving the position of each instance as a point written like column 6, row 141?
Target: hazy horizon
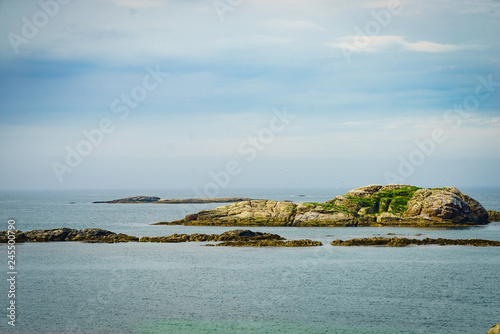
column 209, row 95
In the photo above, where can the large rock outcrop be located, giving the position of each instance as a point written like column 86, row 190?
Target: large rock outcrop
column 393, row 205
column 446, row 203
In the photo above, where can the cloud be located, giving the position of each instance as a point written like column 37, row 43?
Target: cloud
column 425, row 46
column 365, row 43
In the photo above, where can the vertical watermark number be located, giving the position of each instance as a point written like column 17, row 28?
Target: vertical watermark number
column 11, row 273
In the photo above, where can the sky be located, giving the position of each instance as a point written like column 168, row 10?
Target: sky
column 219, row 94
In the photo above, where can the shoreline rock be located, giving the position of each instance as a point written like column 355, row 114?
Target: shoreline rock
column 374, row 205
column 158, row 200
column 403, row 242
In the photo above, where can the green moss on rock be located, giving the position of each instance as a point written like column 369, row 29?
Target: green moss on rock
column 393, row 200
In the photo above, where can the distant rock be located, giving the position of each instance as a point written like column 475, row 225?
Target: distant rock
column 374, row 205
column 495, row 329
column 134, row 199
column 158, row 200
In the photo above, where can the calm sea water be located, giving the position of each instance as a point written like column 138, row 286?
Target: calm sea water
column 188, row 288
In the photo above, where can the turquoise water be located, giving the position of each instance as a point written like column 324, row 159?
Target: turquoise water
column 188, row 288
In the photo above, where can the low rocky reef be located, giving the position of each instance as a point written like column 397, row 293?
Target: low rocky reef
column 270, row 243
column 403, row 242
column 374, row 205
column 229, row 236
column 236, row 238
column 67, row 234
column 158, row 200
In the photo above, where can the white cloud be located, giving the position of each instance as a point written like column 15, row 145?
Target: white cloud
column 425, row 46
column 390, row 42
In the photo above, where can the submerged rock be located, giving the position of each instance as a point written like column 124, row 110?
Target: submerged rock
column 374, row 205
column 403, row 242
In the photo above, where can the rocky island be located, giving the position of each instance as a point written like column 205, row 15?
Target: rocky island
column 373, row 205
column 158, row 200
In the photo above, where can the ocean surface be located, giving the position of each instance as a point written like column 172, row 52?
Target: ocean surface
column 72, row 287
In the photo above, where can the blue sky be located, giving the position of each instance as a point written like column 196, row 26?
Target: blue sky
column 367, row 85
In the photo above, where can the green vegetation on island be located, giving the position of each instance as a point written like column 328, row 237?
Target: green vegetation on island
column 374, row 205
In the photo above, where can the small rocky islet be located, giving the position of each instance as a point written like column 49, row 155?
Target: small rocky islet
column 374, row 205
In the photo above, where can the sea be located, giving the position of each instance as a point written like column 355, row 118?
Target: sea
column 73, row 287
